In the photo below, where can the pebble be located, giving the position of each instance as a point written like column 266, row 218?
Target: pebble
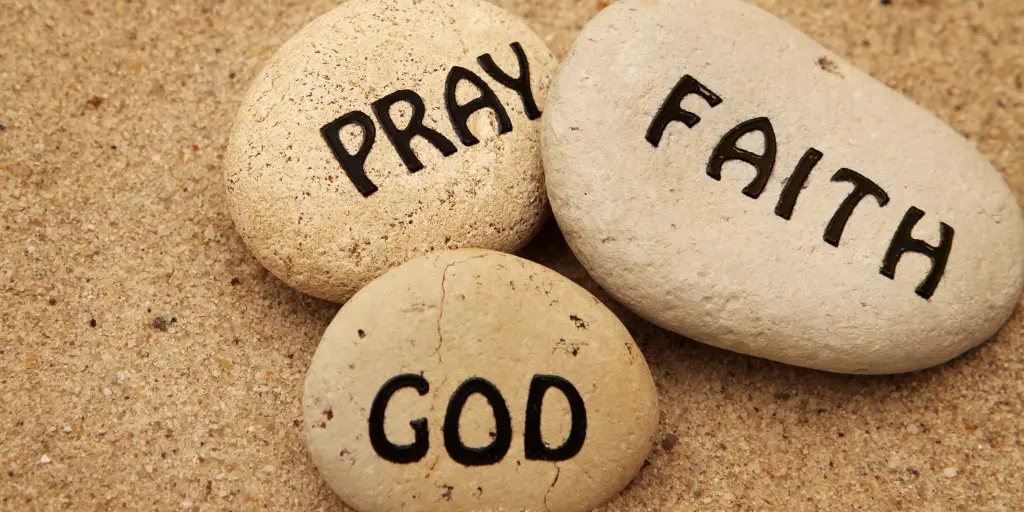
column 387, row 129
column 477, row 380
column 727, row 178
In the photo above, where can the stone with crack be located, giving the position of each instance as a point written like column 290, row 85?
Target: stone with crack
column 448, row 384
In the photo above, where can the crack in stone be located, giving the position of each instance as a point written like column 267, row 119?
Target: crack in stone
column 430, row 470
column 440, row 313
column 558, row 472
column 440, row 307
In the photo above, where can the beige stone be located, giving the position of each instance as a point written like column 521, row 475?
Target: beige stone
column 326, row 224
column 707, row 251
column 450, row 317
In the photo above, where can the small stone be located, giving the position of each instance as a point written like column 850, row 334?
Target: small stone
column 472, row 370
column 66, row 429
column 950, row 472
column 147, row 468
column 669, row 442
column 728, row 178
column 159, row 323
column 45, row 459
column 268, row 470
column 323, row 183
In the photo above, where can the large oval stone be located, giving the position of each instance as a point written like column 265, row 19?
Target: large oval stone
column 476, row 380
column 387, row 129
column 728, row 178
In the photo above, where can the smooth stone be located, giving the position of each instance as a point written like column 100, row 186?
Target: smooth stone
column 694, row 243
column 325, row 211
column 443, row 319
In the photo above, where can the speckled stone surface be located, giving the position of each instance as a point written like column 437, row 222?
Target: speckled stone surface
column 186, row 393
column 788, row 262
column 329, row 217
column 506, row 328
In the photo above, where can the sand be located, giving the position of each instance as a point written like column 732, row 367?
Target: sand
column 147, row 361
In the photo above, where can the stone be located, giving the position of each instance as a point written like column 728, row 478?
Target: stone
column 477, row 380
column 387, row 129
column 727, row 178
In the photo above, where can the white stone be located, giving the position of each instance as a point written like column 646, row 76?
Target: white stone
column 442, row 321
column 297, row 205
column 700, row 256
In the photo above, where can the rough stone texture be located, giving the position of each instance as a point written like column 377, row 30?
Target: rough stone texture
column 462, row 314
column 710, row 258
column 290, row 198
column 213, row 415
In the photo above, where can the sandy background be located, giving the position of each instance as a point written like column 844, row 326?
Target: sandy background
column 154, row 364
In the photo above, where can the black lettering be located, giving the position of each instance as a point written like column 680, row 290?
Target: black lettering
column 727, row 150
column 491, row 453
column 521, row 84
column 904, row 241
column 353, row 164
column 795, row 184
column 534, row 445
column 862, row 187
column 401, row 139
column 672, row 109
column 459, row 114
column 404, row 454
